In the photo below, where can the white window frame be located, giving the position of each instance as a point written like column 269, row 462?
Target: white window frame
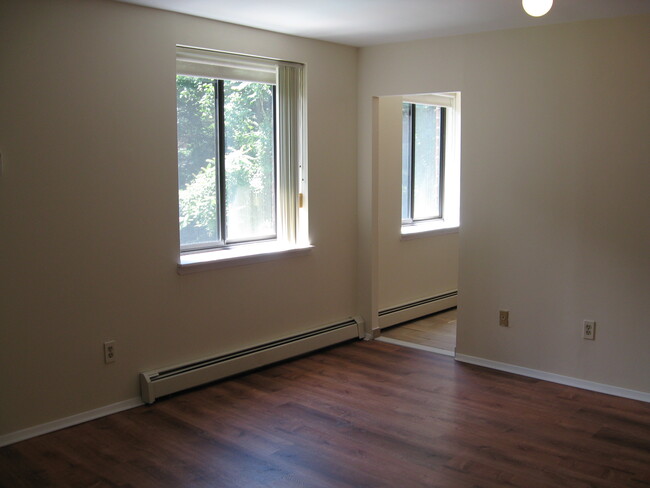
column 291, row 188
column 450, row 220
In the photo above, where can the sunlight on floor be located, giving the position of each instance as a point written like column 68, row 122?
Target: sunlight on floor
column 433, row 332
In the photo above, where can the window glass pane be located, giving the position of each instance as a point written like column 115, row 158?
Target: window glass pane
column 406, row 161
column 197, row 189
column 249, row 160
column 426, row 191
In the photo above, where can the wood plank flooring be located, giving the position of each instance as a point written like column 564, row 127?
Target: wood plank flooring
column 364, row 414
column 437, row 330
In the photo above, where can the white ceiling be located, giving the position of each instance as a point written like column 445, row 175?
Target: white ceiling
column 369, row 22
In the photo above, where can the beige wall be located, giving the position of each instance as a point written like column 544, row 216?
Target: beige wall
column 408, row 269
column 88, row 206
column 554, row 188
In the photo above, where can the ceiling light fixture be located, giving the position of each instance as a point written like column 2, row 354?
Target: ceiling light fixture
column 537, row 8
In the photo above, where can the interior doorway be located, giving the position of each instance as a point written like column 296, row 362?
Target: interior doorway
column 417, row 151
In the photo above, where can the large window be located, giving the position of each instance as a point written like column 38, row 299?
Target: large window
column 430, row 162
column 239, row 149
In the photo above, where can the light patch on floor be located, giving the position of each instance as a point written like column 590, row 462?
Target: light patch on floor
column 435, row 333
column 413, row 345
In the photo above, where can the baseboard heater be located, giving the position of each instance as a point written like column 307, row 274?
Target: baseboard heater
column 155, row 384
column 417, row 308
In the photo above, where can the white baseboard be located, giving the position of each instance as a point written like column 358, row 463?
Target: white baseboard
column 412, row 345
column 79, row 418
column 556, row 378
column 417, row 309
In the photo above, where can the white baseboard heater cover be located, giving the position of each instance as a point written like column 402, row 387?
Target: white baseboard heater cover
column 155, row 384
column 417, row 309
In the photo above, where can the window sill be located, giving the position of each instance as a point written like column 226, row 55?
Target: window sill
column 238, row 256
column 428, row 229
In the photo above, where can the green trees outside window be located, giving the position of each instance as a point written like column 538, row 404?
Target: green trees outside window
column 226, row 161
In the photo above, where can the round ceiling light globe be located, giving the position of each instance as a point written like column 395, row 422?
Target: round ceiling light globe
column 537, row 8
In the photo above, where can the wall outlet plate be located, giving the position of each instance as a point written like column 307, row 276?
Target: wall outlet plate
column 109, row 352
column 589, row 330
column 504, row 318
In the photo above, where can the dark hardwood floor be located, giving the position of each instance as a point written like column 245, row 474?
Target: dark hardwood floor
column 364, row 414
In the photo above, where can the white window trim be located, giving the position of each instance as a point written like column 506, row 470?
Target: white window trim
column 428, row 229
column 292, row 238
column 239, row 256
column 450, row 221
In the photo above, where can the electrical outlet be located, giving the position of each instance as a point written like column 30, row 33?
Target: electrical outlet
column 589, row 330
column 109, row 352
column 504, row 318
